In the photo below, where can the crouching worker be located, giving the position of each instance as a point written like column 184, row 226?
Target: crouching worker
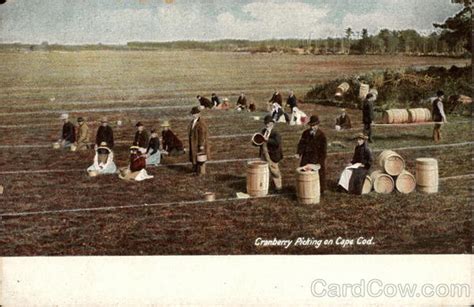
column 68, row 135
column 353, row 176
column 136, row 169
column 171, row 144
column 343, row 121
column 153, row 154
column 103, row 161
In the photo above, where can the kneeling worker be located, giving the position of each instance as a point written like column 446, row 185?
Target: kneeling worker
column 103, row 161
column 136, row 169
column 353, row 177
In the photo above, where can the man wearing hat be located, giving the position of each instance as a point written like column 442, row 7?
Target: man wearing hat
column 198, row 141
column 104, row 134
column 353, row 177
column 343, row 121
column 438, row 115
column 204, row 102
column 312, row 149
column 368, row 115
column 271, row 151
column 82, row 134
column 103, row 161
column 68, row 136
column 141, row 137
column 172, row 145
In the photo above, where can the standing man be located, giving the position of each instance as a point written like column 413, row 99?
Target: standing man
column 82, row 134
column 271, row 151
column 68, row 135
column 438, row 115
column 198, row 141
column 141, row 138
column 291, row 101
column 368, row 115
column 312, row 149
column 104, row 134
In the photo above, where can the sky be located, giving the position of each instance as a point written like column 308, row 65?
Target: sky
column 121, row 21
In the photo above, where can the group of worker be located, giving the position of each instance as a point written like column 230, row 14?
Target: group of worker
column 216, row 103
column 311, row 149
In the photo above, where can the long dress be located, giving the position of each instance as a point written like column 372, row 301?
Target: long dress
column 103, row 162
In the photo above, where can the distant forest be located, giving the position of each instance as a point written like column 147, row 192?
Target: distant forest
column 452, row 38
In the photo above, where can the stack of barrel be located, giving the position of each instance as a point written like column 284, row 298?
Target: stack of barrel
column 394, row 175
column 403, row 116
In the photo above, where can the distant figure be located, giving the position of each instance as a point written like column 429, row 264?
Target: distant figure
column 343, row 121
column 291, row 101
column 104, row 134
column 204, row 102
column 153, row 154
column 271, row 151
column 141, row 137
column 215, row 100
column 276, row 97
column 83, row 139
column 224, row 105
column 171, row 144
column 368, row 115
column 277, row 112
column 252, row 107
column 103, row 161
column 298, row 117
column 438, row 115
column 198, row 142
column 241, row 102
column 353, row 177
column 312, row 149
column 68, row 135
column 136, row 170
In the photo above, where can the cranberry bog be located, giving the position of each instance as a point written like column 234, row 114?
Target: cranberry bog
column 51, row 207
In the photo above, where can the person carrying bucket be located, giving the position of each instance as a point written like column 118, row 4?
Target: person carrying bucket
column 198, row 142
column 271, row 151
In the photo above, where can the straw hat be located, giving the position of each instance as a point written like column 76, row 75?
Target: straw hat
column 225, row 99
column 165, row 124
column 343, row 110
column 361, row 136
column 64, row 116
column 103, row 145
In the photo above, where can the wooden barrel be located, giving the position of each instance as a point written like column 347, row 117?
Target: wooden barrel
column 419, row 115
column 308, row 190
column 363, row 91
column 382, row 182
column 427, row 175
column 367, row 187
column 258, row 177
column 391, row 162
column 395, row 116
column 405, row 183
column 342, row 89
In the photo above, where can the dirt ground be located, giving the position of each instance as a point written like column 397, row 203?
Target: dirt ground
column 163, row 85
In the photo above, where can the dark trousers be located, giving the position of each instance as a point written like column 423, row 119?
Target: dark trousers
column 279, row 114
column 368, row 131
column 437, row 133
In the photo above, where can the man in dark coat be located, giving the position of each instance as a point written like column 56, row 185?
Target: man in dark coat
column 104, row 134
column 343, row 121
column 271, row 151
column 312, row 149
column 68, row 135
column 438, row 115
column 291, row 101
column 204, row 102
column 368, row 115
column 276, row 97
column 353, row 177
column 171, row 143
column 198, row 141
column 215, row 100
column 141, row 137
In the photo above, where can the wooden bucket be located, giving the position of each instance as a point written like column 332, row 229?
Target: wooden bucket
column 395, row 116
column 342, row 89
column 56, row 145
column 405, row 183
column 363, row 91
column 308, row 190
column 209, row 196
column 367, row 187
column 427, row 175
column 391, row 162
column 382, row 182
column 419, row 115
column 258, row 176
